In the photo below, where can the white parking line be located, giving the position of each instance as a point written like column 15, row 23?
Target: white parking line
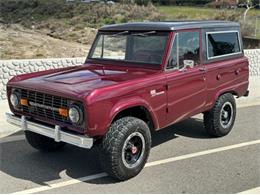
column 201, row 153
column 251, row 191
column 150, row 164
column 12, row 138
column 62, row 184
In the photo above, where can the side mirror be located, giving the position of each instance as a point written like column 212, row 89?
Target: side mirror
column 188, row 63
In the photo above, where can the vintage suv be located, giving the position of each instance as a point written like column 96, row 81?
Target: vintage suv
column 138, row 78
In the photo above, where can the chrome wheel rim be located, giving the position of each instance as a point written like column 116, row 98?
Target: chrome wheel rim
column 133, row 150
column 226, row 115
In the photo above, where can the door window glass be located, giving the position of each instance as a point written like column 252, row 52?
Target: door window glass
column 189, row 47
column 185, row 50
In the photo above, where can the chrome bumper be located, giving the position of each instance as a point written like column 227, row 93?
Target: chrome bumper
column 56, row 133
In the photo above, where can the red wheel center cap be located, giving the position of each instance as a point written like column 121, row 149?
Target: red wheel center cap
column 134, row 150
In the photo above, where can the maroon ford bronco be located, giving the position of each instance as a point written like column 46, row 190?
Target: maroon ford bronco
column 138, row 78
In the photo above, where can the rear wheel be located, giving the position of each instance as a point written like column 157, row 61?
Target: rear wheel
column 42, row 143
column 220, row 119
column 125, row 148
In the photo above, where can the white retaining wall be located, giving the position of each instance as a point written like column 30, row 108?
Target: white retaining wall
column 253, row 56
column 10, row 68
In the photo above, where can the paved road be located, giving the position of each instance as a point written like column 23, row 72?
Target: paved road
column 194, row 163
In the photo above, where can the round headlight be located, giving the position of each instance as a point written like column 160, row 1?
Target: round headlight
column 75, row 114
column 14, row 99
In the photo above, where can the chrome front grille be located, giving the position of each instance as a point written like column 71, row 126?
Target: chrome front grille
column 44, row 105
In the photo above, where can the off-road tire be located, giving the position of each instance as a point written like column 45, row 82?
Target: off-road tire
column 112, row 147
column 212, row 118
column 42, row 143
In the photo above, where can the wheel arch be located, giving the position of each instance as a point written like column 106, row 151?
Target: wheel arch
column 140, row 111
column 220, row 93
column 217, row 95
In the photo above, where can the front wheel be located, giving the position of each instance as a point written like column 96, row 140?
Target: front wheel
column 220, row 119
column 125, row 148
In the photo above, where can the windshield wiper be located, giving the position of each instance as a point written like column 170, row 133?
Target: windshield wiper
column 120, row 33
column 144, row 34
column 135, row 34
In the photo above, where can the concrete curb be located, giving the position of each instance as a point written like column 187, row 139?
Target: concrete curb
column 253, row 99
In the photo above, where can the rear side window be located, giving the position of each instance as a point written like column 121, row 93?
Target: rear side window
column 220, row 44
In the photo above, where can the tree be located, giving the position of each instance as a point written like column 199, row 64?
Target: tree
column 249, row 5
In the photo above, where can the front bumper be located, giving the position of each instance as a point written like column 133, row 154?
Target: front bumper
column 56, row 133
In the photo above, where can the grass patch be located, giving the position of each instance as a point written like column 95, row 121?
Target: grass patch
column 198, row 13
column 175, row 12
column 201, row 13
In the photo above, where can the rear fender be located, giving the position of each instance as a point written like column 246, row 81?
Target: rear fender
column 237, row 90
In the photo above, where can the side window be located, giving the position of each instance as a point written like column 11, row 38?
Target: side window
column 185, row 50
column 222, row 43
column 189, row 48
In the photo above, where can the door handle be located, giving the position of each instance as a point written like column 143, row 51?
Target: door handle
column 237, row 71
column 202, row 69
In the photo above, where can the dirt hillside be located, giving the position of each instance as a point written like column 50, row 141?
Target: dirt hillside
column 17, row 42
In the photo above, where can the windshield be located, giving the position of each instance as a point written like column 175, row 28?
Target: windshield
column 138, row 47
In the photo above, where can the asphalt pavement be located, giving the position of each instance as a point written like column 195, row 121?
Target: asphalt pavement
column 183, row 159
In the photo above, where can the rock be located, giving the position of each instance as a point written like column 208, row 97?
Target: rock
column 5, row 70
column 6, row 76
column 16, row 63
column 3, row 96
column 12, row 72
column 10, row 66
column 4, row 81
column 42, row 68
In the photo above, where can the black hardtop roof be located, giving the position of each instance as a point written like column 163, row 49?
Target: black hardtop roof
column 169, row 25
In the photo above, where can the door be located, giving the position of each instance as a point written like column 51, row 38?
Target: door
column 186, row 79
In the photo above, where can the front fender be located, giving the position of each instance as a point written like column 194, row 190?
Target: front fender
column 102, row 114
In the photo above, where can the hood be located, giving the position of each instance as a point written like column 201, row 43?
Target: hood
column 80, row 80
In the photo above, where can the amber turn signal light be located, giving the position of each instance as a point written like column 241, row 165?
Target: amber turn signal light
column 24, row 102
column 64, row 112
